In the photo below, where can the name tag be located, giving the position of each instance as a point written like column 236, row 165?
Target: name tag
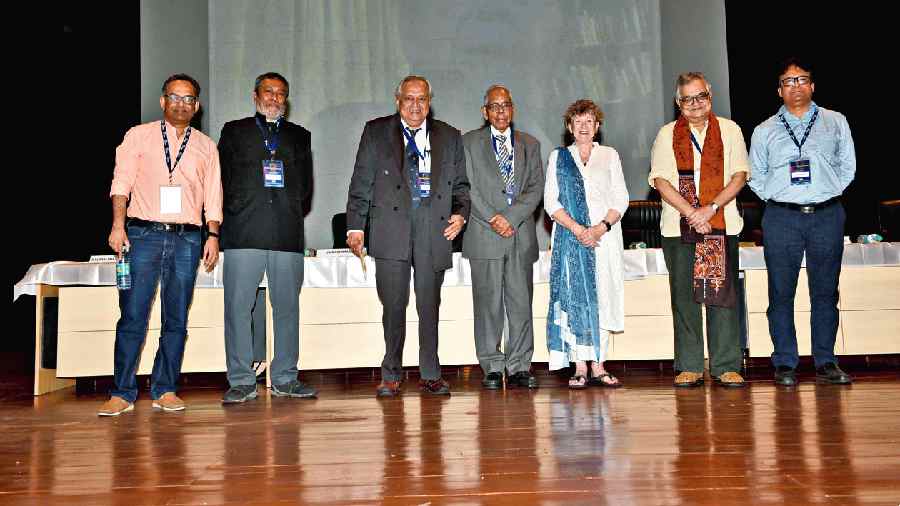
column 801, row 172
column 424, row 184
column 273, row 173
column 170, row 199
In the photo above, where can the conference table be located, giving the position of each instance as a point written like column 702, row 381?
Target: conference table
column 76, row 309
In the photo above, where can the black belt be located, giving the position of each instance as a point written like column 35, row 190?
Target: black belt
column 164, row 227
column 806, row 208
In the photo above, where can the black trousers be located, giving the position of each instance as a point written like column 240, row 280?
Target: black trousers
column 392, row 283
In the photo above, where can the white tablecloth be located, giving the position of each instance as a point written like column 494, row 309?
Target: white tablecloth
column 338, row 268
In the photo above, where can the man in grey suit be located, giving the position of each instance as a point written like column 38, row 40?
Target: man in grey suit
column 505, row 168
column 409, row 182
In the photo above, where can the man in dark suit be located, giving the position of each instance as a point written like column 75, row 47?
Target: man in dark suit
column 409, row 182
column 266, row 177
column 505, row 168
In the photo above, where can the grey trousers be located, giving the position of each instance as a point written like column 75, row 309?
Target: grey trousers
column 502, row 289
column 243, row 271
column 392, row 283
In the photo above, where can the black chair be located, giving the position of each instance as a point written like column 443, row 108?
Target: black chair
column 889, row 220
column 641, row 223
column 339, row 231
column 751, row 212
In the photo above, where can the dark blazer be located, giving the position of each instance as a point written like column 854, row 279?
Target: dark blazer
column 255, row 216
column 379, row 192
column 489, row 196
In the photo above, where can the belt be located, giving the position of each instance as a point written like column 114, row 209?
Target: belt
column 806, row 208
column 164, row 227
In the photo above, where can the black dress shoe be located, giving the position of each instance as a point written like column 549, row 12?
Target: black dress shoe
column 522, row 379
column 493, row 381
column 831, row 373
column 785, row 376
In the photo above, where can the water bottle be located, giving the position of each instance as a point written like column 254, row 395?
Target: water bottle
column 123, row 270
column 869, row 238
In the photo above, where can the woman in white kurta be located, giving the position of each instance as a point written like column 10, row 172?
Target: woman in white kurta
column 598, row 170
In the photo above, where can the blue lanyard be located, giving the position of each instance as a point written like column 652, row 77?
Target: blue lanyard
column 187, row 137
column 512, row 142
column 805, row 134
column 412, row 140
column 271, row 143
column 696, row 144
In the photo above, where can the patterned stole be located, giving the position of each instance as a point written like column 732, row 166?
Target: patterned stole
column 573, row 282
column 712, row 284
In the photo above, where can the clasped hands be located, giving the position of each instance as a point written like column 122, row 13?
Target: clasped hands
column 699, row 218
column 589, row 237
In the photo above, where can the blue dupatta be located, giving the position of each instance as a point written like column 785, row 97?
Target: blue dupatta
column 573, row 282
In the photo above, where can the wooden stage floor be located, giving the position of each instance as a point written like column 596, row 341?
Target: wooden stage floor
column 646, row 443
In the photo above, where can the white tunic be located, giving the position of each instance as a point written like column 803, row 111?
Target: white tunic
column 604, row 189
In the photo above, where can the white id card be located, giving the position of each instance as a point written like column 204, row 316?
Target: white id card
column 170, row 199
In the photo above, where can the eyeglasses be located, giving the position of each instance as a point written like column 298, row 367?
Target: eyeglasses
column 498, row 106
column 408, row 100
column 187, row 99
column 701, row 98
column 796, row 81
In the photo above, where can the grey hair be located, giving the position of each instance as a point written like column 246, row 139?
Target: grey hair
column 688, row 77
column 414, row 78
column 496, row 86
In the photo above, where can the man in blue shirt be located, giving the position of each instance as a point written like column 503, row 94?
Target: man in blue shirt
column 802, row 159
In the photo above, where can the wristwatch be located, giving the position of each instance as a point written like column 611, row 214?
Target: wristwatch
column 608, row 226
column 715, row 207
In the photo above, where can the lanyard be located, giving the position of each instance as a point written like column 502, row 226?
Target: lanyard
column 270, row 142
column 805, row 134
column 696, row 144
column 187, row 137
column 412, row 140
column 512, row 142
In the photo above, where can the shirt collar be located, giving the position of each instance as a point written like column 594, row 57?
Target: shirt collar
column 806, row 116
column 423, row 126
column 505, row 133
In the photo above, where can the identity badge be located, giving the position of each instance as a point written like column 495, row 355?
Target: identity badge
column 170, row 199
column 424, row 184
column 273, row 173
column 801, row 172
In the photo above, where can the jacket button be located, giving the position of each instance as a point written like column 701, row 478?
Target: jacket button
column 448, row 183
column 502, row 192
column 398, row 186
column 439, row 197
column 442, row 218
column 395, row 208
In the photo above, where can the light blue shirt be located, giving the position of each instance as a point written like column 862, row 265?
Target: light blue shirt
column 829, row 148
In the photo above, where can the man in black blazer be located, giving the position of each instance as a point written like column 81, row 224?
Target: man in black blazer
column 409, row 182
column 266, row 177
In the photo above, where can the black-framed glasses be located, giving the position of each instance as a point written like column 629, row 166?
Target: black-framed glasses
column 498, row 106
column 187, row 99
column 701, row 98
column 796, row 81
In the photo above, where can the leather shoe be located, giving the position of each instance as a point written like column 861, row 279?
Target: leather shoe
column 493, row 381
column 689, row 379
column 785, row 376
column 831, row 373
column 522, row 379
column 434, row 386
column 388, row 389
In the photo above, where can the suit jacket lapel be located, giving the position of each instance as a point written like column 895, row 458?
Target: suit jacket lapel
column 492, row 176
column 519, row 162
column 396, row 141
column 437, row 154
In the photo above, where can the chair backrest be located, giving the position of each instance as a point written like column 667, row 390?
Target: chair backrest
column 339, row 230
column 641, row 223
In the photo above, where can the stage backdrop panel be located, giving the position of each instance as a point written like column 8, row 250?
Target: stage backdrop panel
column 344, row 58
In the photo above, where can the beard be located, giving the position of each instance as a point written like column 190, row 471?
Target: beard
column 271, row 111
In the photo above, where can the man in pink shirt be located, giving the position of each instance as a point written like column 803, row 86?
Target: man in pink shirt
column 167, row 175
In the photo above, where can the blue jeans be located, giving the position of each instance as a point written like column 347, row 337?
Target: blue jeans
column 787, row 234
column 170, row 259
